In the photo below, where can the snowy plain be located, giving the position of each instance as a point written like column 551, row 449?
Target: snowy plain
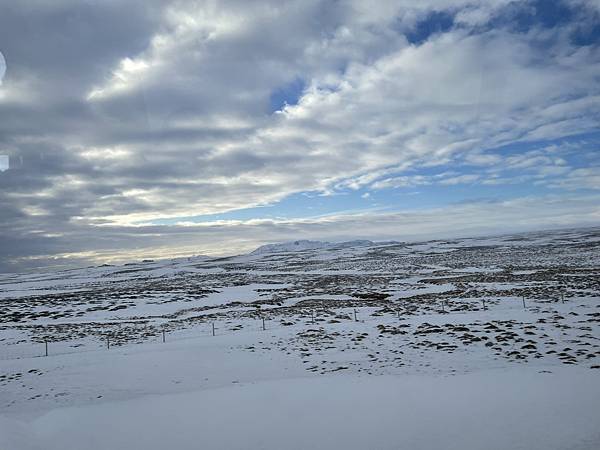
column 463, row 344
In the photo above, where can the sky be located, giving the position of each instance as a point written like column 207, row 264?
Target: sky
column 153, row 129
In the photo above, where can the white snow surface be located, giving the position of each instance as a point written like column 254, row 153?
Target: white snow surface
column 500, row 409
column 465, row 344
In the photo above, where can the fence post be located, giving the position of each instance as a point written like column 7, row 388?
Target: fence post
column 355, row 319
column 263, row 321
column 46, row 343
column 312, row 312
column 213, row 328
column 443, row 310
column 163, row 333
column 562, row 297
column 524, row 307
column 107, row 342
column 483, row 301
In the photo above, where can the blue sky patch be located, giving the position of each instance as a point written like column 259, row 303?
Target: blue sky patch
column 435, row 22
column 286, row 95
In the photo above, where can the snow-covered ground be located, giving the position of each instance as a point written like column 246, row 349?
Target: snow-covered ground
column 500, row 409
column 466, row 344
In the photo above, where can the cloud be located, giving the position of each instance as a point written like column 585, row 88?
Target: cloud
column 402, row 182
column 584, row 178
column 168, row 115
column 461, row 179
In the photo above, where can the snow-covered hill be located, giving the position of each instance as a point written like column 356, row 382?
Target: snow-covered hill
column 295, row 246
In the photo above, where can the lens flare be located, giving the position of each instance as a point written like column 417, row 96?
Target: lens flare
column 2, row 67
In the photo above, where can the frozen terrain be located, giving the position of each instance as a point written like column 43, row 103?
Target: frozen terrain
column 467, row 344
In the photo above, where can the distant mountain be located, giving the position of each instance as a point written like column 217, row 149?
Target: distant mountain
column 294, row 246
column 290, row 247
column 349, row 244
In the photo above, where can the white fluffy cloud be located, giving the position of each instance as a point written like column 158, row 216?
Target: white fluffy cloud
column 412, row 106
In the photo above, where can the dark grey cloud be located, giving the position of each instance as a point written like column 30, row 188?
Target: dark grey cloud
column 72, row 43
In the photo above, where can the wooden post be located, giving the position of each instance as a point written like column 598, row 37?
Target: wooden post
column 443, row 306
column 312, row 312
column 524, row 302
column 46, row 343
column 263, row 321
column 562, row 297
column 483, row 301
column 107, row 342
column 213, row 328
column 163, row 333
column 355, row 319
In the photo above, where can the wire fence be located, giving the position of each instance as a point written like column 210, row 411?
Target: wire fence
column 23, row 349
column 34, row 348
